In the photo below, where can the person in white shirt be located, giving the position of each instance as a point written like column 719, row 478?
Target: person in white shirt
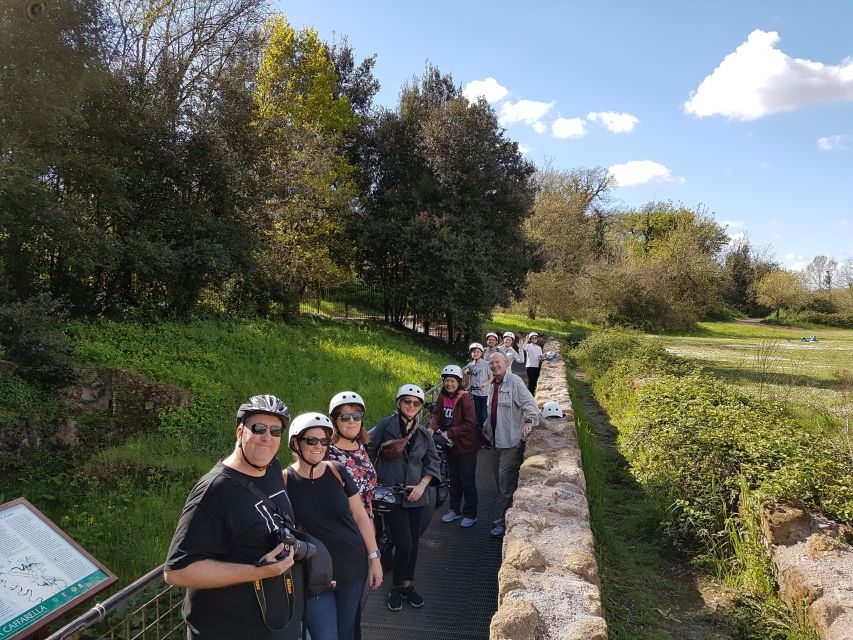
column 533, row 352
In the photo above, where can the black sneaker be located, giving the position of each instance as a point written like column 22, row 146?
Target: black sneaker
column 412, row 597
column 395, row 599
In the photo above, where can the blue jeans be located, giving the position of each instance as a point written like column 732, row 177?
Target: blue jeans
column 334, row 615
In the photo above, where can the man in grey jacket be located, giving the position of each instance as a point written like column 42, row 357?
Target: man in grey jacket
column 512, row 414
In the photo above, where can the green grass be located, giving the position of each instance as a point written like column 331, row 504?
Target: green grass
column 773, row 363
column 571, row 332
column 122, row 502
column 643, row 598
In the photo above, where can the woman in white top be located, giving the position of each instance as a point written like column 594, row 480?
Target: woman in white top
column 534, row 359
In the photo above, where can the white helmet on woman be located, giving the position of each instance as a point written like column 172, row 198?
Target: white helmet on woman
column 305, row 421
column 509, row 334
column 475, row 345
column 551, row 410
column 410, row 390
column 451, row 370
column 532, row 334
column 345, row 397
column 491, row 334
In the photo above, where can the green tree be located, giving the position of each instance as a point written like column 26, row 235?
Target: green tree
column 304, row 119
column 780, row 289
column 441, row 232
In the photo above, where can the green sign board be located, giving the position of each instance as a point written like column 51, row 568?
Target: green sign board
column 43, row 572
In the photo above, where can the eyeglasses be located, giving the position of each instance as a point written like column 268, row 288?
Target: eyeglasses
column 259, row 429
column 353, row 415
column 411, row 402
column 313, row 441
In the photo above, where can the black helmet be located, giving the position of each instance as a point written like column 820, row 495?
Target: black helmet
column 264, row 404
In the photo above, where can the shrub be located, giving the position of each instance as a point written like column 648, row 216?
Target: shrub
column 696, row 441
column 31, row 336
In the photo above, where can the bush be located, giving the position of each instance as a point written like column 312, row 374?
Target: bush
column 842, row 319
column 31, row 336
column 695, row 441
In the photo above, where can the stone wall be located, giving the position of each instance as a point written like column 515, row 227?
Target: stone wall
column 548, row 585
column 812, row 560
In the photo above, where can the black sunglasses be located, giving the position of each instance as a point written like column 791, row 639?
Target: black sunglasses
column 313, row 441
column 353, row 415
column 259, row 429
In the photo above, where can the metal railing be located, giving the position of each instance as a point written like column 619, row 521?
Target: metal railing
column 156, row 615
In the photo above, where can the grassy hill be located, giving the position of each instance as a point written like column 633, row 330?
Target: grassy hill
column 122, row 502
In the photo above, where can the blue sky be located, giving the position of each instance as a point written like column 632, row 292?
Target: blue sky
column 744, row 107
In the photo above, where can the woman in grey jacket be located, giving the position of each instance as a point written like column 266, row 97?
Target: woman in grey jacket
column 408, row 458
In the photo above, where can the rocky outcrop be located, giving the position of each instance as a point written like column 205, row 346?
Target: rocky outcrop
column 548, row 584
column 103, row 407
column 812, row 559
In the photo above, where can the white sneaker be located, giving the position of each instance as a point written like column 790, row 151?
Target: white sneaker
column 450, row 516
column 468, row 522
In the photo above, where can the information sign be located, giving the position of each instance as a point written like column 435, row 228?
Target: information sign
column 43, row 572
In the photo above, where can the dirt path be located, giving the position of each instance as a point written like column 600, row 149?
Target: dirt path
column 648, row 592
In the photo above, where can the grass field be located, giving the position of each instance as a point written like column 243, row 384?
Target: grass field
column 774, row 363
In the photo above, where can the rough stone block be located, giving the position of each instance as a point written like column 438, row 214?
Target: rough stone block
column 514, row 620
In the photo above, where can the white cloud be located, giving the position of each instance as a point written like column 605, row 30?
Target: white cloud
column 488, row 88
column 789, row 256
column 838, row 142
column 615, row 122
column 842, row 223
column 736, row 237
column 539, row 127
column 568, row 128
column 734, row 224
column 524, row 149
column 637, row 172
column 528, row 111
column 798, row 266
column 758, row 79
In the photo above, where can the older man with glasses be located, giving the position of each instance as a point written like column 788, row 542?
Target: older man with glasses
column 512, row 415
column 225, row 550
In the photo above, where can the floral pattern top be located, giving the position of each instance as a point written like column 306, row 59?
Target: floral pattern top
column 361, row 469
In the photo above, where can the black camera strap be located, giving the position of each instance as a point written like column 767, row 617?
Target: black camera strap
column 287, row 577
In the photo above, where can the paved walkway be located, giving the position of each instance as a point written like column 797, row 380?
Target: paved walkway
column 457, row 575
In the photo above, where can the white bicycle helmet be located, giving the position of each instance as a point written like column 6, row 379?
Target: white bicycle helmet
column 551, row 410
column 451, row 370
column 305, row 421
column 532, row 334
column 475, row 345
column 509, row 334
column 410, row 390
column 345, row 397
column 492, row 334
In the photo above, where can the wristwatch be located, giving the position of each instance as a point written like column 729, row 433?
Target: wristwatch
column 374, row 554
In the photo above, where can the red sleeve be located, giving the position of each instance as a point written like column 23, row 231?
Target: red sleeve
column 435, row 419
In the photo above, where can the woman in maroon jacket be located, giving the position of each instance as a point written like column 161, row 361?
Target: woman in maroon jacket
column 454, row 417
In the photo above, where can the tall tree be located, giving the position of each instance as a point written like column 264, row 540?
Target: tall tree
column 449, row 195
column 305, row 120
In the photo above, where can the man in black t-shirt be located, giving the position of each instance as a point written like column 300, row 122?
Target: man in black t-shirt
column 239, row 582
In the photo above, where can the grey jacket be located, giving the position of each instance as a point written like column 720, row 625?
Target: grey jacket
column 515, row 405
column 421, row 458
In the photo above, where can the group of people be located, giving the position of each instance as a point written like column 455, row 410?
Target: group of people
column 245, row 540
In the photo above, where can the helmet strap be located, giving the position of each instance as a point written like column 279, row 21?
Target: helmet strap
column 246, row 459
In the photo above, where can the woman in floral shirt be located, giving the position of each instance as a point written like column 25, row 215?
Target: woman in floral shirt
column 346, row 409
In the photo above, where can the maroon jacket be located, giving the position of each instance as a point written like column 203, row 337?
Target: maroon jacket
column 463, row 432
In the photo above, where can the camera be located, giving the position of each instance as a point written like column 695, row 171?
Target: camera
column 301, row 548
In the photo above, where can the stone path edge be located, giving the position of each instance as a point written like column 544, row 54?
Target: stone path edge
column 548, row 583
